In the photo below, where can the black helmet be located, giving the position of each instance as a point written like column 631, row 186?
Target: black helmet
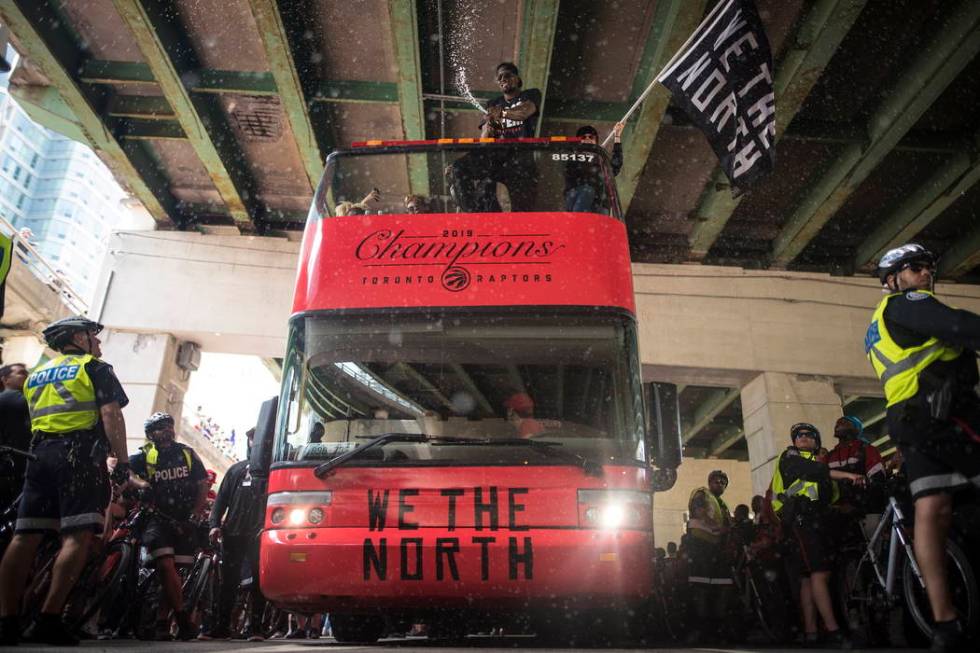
column 802, row 427
column 58, row 333
column 156, row 420
column 894, row 259
column 719, row 475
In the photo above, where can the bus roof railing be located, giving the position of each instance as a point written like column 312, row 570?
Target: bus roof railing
column 464, row 141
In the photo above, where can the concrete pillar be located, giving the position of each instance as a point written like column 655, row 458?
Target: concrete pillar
column 771, row 403
column 22, row 349
column 146, row 364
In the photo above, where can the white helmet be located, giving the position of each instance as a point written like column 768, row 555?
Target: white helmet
column 894, row 259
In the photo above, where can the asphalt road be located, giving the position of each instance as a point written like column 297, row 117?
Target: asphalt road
column 410, row 645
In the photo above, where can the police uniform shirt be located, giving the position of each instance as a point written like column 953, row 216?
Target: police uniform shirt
column 175, row 485
column 15, row 431
column 912, row 318
column 107, row 386
column 793, row 466
column 518, row 128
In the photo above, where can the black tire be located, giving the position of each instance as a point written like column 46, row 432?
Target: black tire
column 771, row 606
column 103, row 582
column 196, row 582
column 962, row 586
column 145, row 611
column 356, row 628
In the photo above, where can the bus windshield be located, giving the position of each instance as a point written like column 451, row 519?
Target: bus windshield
column 462, row 380
column 507, row 176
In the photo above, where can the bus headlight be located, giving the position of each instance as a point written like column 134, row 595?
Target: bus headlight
column 298, row 509
column 615, row 509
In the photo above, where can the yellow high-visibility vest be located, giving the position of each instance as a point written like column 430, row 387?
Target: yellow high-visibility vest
column 799, row 487
column 898, row 368
column 61, row 396
column 712, row 526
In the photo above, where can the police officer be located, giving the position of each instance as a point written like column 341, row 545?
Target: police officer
column 75, row 403
column 801, row 490
column 923, row 353
column 236, row 520
column 179, row 489
column 709, row 573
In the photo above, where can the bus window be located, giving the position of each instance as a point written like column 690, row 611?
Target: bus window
column 560, row 380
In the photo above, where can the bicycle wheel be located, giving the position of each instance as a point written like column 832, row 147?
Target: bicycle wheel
column 770, row 604
column 144, row 616
column 196, row 582
column 40, row 579
column 962, row 588
column 104, row 581
column 871, row 615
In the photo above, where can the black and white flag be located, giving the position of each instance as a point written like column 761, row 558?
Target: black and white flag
column 723, row 79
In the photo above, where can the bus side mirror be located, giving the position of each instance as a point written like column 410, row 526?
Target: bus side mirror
column 264, row 438
column 665, row 427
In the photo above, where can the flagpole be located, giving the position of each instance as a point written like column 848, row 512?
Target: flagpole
column 656, row 78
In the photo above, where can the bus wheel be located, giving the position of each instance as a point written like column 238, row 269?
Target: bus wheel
column 356, row 628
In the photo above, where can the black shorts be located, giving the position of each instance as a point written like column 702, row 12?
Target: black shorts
column 164, row 538
column 66, row 489
column 808, row 551
column 945, row 462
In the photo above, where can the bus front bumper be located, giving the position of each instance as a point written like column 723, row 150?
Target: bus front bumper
column 357, row 569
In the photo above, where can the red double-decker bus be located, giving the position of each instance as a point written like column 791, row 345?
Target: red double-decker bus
column 460, row 439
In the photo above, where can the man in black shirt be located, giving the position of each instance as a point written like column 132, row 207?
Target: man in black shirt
column 236, row 519
column 924, row 352
column 473, row 177
column 180, row 489
column 15, row 430
column 585, row 187
column 75, row 402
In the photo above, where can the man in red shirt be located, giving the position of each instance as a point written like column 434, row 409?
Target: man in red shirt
column 520, row 412
column 853, row 454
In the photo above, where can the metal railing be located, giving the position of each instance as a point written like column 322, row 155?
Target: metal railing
column 43, row 270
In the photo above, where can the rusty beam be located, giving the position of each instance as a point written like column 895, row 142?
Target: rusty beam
column 160, row 40
column 936, row 65
column 674, row 21
column 272, row 33
column 43, row 40
column 536, row 44
column 403, row 15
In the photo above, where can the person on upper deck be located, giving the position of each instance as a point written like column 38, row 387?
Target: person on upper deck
column 474, row 176
column 584, row 184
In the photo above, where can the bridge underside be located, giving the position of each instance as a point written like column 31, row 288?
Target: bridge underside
column 220, row 112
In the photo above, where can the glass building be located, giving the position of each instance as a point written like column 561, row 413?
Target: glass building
column 60, row 190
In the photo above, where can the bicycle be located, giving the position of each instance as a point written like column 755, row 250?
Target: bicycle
column 870, row 583
column 762, row 594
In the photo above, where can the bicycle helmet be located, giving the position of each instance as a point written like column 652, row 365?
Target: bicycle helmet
column 59, row 333
column 894, row 259
column 719, row 475
column 156, row 421
column 804, row 427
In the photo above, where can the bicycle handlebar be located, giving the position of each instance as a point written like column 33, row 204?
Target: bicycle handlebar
column 4, row 449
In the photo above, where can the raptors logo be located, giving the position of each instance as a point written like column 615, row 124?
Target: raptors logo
column 455, row 278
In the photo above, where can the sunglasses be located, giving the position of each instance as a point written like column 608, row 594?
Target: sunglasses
column 806, row 434
column 919, row 267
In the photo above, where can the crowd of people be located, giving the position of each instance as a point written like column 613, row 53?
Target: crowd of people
column 223, row 441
